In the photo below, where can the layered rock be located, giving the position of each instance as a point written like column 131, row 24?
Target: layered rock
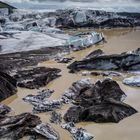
column 7, row 86
column 127, row 61
column 100, row 102
column 36, row 77
column 16, row 127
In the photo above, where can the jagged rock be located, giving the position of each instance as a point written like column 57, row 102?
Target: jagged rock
column 36, row 77
column 76, row 88
column 45, row 106
column 40, row 97
column 4, row 109
column 7, row 86
column 99, row 102
column 64, row 59
column 128, row 61
column 110, row 111
column 16, row 127
column 47, row 131
column 132, row 81
column 77, row 133
column 95, row 53
column 56, row 117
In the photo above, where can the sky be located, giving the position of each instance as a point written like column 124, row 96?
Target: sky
column 108, row 5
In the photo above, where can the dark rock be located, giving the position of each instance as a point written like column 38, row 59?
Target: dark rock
column 7, row 86
column 101, row 102
column 77, row 133
column 20, row 60
column 56, row 117
column 95, row 54
column 110, row 111
column 126, row 62
column 4, row 109
column 36, row 77
column 47, row 131
column 16, row 127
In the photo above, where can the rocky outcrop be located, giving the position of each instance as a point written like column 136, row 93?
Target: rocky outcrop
column 73, row 18
column 25, row 124
column 99, row 102
column 7, row 86
column 132, row 81
column 16, row 127
column 36, row 77
column 127, row 61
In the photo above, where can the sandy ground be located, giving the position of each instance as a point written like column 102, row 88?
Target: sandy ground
column 118, row 40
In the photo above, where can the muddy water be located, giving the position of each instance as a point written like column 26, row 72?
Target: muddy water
column 118, row 40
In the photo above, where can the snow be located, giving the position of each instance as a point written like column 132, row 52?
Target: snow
column 29, row 40
column 132, row 81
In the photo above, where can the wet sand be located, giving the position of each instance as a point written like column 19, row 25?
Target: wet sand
column 118, row 40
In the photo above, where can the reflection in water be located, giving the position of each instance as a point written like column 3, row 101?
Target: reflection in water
column 118, row 40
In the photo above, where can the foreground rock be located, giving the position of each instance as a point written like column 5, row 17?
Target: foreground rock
column 7, row 86
column 36, row 77
column 16, row 127
column 127, row 61
column 132, row 81
column 77, row 133
column 99, row 102
column 47, row 131
column 4, row 109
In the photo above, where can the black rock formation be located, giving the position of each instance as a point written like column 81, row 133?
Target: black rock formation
column 127, row 61
column 100, row 103
column 7, row 86
column 36, row 77
column 16, row 127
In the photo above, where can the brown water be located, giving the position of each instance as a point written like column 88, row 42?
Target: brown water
column 118, row 40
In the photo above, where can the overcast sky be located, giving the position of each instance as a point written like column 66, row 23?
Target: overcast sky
column 118, row 5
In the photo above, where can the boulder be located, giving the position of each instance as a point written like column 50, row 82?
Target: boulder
column 99, row 102
column 7, row 86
